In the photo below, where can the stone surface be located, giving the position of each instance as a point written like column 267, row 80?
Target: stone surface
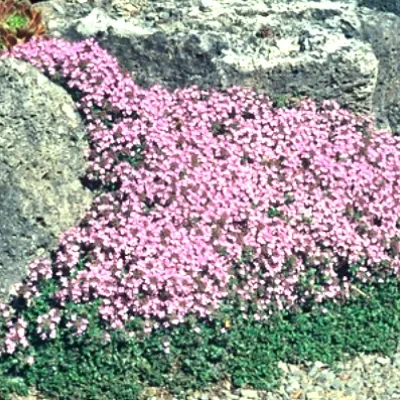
column 345, row 49
column 42, row 142
column 361, row 378
column 392, row 6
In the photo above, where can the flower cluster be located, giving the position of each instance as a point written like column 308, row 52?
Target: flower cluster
column 16, row 330
column 77, row 324
column 38, row 270
column 215, row 192
column 47, row 324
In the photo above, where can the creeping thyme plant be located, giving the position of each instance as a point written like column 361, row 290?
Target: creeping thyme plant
column 221, row 223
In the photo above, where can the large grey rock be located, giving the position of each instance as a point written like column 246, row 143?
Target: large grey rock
column 42, row 142
column 383, row 5
column 343, row 49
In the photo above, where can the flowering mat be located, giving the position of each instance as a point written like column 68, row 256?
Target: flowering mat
column 227, row 233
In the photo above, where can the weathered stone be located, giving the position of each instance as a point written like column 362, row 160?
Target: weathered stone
column 315, row 396
column 42, row 144
column 329, row 49
column 392, row 6
column 383, row 361
column 249, row 394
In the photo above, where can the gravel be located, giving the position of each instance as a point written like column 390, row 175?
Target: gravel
column 365, row 377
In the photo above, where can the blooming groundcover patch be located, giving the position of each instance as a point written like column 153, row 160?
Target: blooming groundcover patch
column 221, row 223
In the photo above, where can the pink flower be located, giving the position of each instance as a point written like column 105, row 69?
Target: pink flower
column 30, row 360
column 301, row 187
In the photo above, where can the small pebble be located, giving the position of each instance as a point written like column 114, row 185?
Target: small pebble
column 383, row 361
column 249, row 394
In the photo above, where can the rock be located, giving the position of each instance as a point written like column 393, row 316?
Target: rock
column 336, row 384
column 313, row 372
column 382, row 5
column 319, row 365
column 284, row 367
column 330, row 49
column 326, row 377
column 315, row 396
column 224, row 394
column 296, row 370
column 42, row 143
column 383, row 360
column 249, row 394
column 396, row 360
column 293, row 387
